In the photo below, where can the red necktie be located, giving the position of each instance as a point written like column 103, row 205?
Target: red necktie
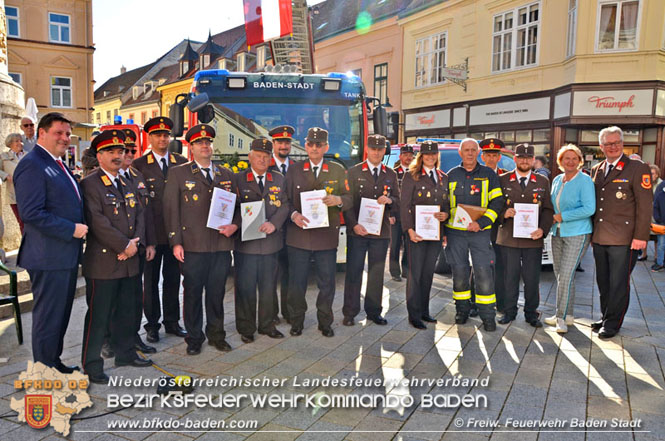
column 62, row 166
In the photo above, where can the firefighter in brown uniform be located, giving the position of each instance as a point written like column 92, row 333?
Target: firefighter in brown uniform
column 204, row 253
column 523, row 256
column 319, row 244
column 424, row 184
column 372, row 180
column 110, row 263
column 397, row 236
column 155, row 167
column 282, row 137
column 620, row 226
column 256, row 261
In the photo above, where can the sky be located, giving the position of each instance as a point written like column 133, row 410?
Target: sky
column 134, row 33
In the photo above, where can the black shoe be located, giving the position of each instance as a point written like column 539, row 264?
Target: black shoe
column 607, row 333
column 221, row 345
column 273, row 334
column 247, row 338
column 327, row 331
column 428, row 319
column 378, row 320
column 296, row 331
column 397, row 278
column 100, row 378
column 193, row 349
column 579, row 269
column 642, row 259
column 140, row 346
column 534, row 322
column 461, row 318
column 152, row 335
column 505, row 320
column 175, row 330
column 63, row 369
column 595, row 326
column 137, row 362
column 490, row 325
column 473, row 312
column 107, row 351
column 657, row 268
column 348, row 321
column 417, row 324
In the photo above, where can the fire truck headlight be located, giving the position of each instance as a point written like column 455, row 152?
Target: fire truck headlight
column 237, row 82
column 331, row 85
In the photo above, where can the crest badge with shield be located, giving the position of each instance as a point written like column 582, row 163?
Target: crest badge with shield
column 38, row 410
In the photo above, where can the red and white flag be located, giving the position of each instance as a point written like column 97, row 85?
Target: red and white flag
column 266, row 20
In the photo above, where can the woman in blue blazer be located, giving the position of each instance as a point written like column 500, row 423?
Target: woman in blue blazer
column 574, row 200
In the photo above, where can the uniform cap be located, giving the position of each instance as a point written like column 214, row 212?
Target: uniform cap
column 406, row 148
column 429, row 147
column 199, row 132
column 108, row 139
column 317, row 134
column 376, row 141
column 158, row 124
column 491, row 145
column 261, row 145
column 130, row 137
column 524, row 150
column 282, row 132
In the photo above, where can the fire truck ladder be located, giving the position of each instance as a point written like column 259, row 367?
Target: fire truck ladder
column 296, row 49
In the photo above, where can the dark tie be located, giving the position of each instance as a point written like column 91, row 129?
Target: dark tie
column 316, row 171
column 118, row 185
column 431, row 175
column 609, row 169
column 165, row 168
column 375, row 173
column 523, row 183
column 128, row 175
column 260, row 178
column 208, row 177
column 62, row 166
column 283, row 169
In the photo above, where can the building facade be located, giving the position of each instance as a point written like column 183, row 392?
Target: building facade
column 544, row 72
column 50, row 53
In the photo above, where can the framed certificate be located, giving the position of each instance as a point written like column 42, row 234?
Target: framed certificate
column 427, row 226
column 222, row 206
column 253, row 215
column 314, row 209
column 370, row 215
column 526, row 220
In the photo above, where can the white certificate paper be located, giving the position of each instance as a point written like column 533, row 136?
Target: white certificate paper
column 427, row 226
column 222, row 206
column 314, row 209
column 462, row 218
column 370, row 215
column 526, row 220
column 253, row 215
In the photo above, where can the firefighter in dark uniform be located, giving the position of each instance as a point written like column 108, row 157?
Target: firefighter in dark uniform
column 282, row 137
column 155, row 167
column 319, row 244
column 204, row 254
column 491, row 154
column 256, row 261
column 523, row 255
column 620, row 227
column 423, row 184
column 397, row 236
column 110, row 263
column 372, row 180
column 473, row 184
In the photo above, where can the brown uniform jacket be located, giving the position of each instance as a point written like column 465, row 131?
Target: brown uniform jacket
column 276, row 206
column 155, row 183
column 332, row 177
column 274, row 167
column 624, row 202
column 537, row 191
column 112, row 221
column 495, row 226
column 187, row 198
column 362, row 185
column 400, row 172
column 423, row 192
column 140, row 187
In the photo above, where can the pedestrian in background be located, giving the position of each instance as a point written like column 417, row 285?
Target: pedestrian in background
column 659, row 220
column 8, row 162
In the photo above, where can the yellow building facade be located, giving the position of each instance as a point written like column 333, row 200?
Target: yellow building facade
column 543, row 72
column 50, row 53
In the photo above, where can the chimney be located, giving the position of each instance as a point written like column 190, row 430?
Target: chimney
column 123, row 69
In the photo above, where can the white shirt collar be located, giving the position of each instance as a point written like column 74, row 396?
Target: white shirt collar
column 160, row 157
column 372, row 166
column 201, row 167
column 111, row 177
column 256, row 176
column 279, row 163
column 613, row 164
column 528, row 175
column 316, row 165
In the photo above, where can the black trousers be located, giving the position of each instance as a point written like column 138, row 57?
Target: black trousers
column 325, row 264
column 209, row 271
column 397, row 238
column 170, row 289
column 53, row 293
column 138, row 298
column 283, row 280
column 614, row 264
column 357, row 249
column 110, row 306
column 254, row 271
column 524, row 263
column 499, row 283
column 422, row 261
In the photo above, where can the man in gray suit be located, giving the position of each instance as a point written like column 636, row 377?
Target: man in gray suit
column 29, row 136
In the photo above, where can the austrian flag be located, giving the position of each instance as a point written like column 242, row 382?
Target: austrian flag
column 266, row 20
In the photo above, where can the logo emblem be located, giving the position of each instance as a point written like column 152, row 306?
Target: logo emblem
column 38, row 410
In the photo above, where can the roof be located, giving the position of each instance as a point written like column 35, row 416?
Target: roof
column 189, row 54
column 116, row 86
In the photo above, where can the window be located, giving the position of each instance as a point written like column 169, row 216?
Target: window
column 131, row 116
column 135, row 92
column 231, row 139
column 98, row 118
column 241, row 62
column 61, row 92
column 12, row 21
column 240, row 143
column 108, row 117
column 617, row 25
column 58, row 28
column 515, row 38
column 572, row 28
column 381, row 82
column 431, row 59
column 184, row 67
column 154, row 114
column 260, row 57
column 115, row 112
column 144, row 117
column 204, row 60
column 17, row 77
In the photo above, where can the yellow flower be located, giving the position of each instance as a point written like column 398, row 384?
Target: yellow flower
column 235, row 169
column 226, row 164
column 242, row 164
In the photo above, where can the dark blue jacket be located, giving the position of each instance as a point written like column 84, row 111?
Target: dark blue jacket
column 659, row 204
column 49, row 208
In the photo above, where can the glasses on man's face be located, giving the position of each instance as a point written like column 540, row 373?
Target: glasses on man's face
column 612, row 144
column 28, row 125
column 132, row 151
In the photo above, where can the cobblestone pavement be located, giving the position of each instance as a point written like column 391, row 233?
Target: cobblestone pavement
column 534, row 374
